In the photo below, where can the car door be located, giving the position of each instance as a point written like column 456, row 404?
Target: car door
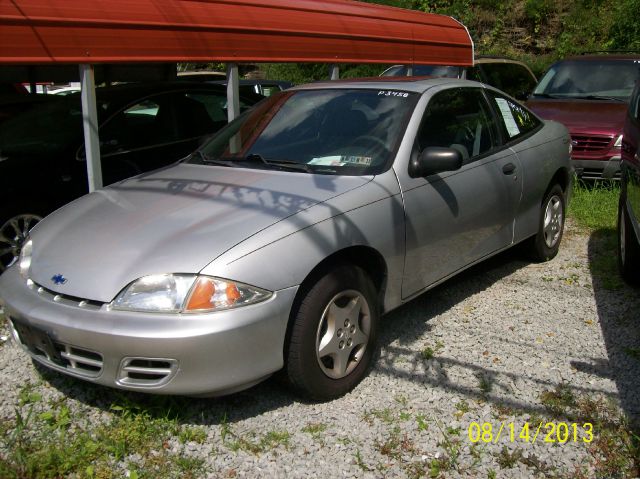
column 456, row 218
column 631, row 155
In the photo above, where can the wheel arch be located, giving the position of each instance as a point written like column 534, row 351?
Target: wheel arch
column 365, row 257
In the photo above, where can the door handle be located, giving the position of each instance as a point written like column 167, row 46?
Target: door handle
column 509, row 168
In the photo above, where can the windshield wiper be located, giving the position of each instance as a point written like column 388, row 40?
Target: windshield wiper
column 284, row 164
column 599, row 97
column 212, row 161
column 550, row 95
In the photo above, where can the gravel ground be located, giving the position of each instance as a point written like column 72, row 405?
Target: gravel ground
column 481, row 348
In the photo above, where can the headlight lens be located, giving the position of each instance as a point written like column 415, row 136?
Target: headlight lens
column 24, row 262
column 175, row 293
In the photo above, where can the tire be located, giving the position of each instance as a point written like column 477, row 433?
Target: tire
column 545, row 244
column 14, row 229
column 331, row 347
column 628, row 247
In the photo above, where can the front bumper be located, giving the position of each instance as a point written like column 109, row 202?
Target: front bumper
column 597, row 169
column 203, row 354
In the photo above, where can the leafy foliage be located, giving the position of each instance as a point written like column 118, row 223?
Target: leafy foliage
column 537, row 32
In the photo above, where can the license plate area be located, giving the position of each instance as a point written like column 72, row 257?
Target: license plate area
column 37, row 341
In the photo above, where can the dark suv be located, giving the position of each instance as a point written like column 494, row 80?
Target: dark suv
column 510, row 76
column 629, row 205
column 589, row 94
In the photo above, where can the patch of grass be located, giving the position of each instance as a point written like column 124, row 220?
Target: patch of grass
column 385, row 415
column 53, row 443
column 595, row 205
column 315, row 429
column 595, row 208
column 614, row 447
column 427, row 353
column 250, row 442
column 484, row 383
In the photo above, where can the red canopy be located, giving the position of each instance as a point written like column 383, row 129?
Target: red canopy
column 325, row 31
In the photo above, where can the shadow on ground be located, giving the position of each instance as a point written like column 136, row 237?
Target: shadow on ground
column 618, row 307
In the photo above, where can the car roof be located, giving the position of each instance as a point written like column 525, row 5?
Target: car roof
column 594, row 57
column 410, row 84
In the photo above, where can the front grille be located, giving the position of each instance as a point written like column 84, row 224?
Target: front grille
column 591, row 143
column 65, row 299
column 146, row 371
column 42, row 346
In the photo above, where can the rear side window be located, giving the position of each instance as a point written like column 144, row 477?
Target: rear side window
column 511, row 78
column 515, row 120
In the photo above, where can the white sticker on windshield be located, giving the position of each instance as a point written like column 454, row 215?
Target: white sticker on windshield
column 398, row 94
column 507, row 116
column 328, row 161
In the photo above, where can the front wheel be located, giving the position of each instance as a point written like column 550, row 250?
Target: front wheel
column 628, row 247
column 333, row 335
column 546, row 243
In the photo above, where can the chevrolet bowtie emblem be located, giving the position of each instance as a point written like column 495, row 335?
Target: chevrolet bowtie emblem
column 58, row 279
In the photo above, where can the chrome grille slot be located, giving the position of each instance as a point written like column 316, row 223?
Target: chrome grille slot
column 65, row 299
column 146, row 371
column 80, row 359
column 591, row 143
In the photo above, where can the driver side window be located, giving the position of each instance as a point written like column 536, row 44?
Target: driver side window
column 458, row 118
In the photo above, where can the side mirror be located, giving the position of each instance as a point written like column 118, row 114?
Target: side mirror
column 435, row 159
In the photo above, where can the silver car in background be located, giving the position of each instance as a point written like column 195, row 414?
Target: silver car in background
column 280, row 243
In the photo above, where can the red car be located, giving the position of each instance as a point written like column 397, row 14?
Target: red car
column 589, row 94
column 629, row 205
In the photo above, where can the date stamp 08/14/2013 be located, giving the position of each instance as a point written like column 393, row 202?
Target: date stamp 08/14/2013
column 549, row 432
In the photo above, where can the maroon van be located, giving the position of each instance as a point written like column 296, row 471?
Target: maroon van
column 590, row 95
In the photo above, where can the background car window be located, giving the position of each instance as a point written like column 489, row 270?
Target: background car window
column 146, row 123
column 215, row 106
column 579, row 79
column 511, row 78
column 458, row 118
column 516, row 120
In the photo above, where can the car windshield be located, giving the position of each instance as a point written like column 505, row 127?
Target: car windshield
column 53, row 125
column 333, row 131
column 605, row 79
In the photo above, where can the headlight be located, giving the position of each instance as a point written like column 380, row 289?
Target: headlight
column 618, row 143
column 24, row 262
column 183, row 293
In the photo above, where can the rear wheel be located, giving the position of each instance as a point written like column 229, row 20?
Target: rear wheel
column 546, row 243
column 628, row 247
column 333, row 335
column 13, row 234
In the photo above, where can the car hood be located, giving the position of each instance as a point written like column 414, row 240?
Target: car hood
column 583, row 116
column 175, row 220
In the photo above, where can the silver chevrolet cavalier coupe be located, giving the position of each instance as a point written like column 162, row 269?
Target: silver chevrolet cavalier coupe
column 278, row 245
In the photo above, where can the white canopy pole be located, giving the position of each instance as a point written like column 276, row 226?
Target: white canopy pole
column 90, row 124
column 334, row 72
column 233, row 91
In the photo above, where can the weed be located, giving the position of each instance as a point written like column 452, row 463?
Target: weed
column 427, row 353
column 632, row 352
column 361, row 464
column 422, row 422
column 385, row 415
column 508, row 460
column 484, row 383
column 314, row 429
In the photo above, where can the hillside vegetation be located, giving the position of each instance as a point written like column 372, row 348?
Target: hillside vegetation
column 535, row 31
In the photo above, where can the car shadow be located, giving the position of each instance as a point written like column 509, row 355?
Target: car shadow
column 618, row 308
